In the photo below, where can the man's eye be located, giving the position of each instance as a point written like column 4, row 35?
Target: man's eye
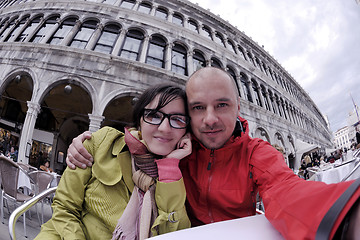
column 198, row 108
column 221, row 105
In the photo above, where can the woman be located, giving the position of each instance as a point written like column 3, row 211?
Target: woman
column 46, row 167
column 134, row 189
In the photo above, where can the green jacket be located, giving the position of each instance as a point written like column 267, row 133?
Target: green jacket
column 88, row 202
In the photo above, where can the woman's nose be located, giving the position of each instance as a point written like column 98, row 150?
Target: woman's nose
column 165, row 125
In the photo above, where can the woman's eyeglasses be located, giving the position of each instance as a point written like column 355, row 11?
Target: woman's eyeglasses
column 155, row 117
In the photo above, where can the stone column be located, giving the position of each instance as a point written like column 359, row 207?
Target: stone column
column 251, row 91
column 6, row 25
column 168, row 56
column 186, row 22
column 94, row 37
column 153, row 9
column 31, row 34
column 144, row 49
column 117, row 3
column 51, row 32
column 95, row 122
column 66, row 41
column 136, row 5
column 119, row 42
column 228, row 45
column 273, row 104
column 288, row 111
column 212, row 34
column 241, row 89
column 170, row 16
column 28, row 130
column 261, row 97
column 189, row 62
column 12, row 39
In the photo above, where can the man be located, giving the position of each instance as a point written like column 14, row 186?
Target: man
column 358, row 137
column 227, row 168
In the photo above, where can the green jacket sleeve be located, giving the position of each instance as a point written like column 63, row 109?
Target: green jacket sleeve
column 68, row 201
column 170, row 199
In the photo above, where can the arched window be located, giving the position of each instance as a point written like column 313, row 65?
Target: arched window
column 111, row 2
column 277, row 100
column 16, row 29
column 245, row 87
column 283, row 108
column 257, row 93
column 45, row 28
column 178, row 60
column 233, row 75
column 156, row 52
column 219, row 39
column 8, row 28
column 177, row 19
column 215, row 63
column 83, row 35
column 265, row 69
column 193, row 26
column 161, row 13
column 242, row 52
column 266, row 101
column 258, row 63
column 132, row 44
column 145, row 8
column 198, row 60
column 108, row 38
column 272, row 99
column 129, row 4
column 272, row 74
column 232, row 46
column 2, row 24
column 30, row 28
column 251, row 59
column 62, row 31
column 207, row 32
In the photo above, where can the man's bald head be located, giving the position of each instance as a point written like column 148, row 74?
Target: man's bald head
column 203, row 74
column 214, row 106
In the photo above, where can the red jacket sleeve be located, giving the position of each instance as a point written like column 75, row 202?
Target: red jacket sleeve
column 295, row 207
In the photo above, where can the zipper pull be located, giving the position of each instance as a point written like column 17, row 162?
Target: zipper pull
column 212, row 156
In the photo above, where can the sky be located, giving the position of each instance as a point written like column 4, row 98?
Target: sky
column 317, row 42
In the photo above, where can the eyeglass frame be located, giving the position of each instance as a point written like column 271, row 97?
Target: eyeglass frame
column 165, row 115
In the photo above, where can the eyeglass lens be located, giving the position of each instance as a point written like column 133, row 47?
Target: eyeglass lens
column 156, row 118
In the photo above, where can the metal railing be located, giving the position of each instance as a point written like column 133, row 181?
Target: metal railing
column 24, row 207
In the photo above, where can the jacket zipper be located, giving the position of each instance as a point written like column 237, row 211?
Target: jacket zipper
column 211, row 163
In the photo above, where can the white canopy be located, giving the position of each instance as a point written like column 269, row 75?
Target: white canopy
column 328, row 151
column 301, row 148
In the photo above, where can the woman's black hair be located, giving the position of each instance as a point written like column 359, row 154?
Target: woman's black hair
column 167, row 93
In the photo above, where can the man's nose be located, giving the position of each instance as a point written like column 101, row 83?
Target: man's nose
column 210, row 117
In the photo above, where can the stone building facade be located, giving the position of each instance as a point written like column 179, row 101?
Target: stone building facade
column 68, row 66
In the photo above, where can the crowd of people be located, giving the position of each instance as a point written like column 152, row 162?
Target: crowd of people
column 8, row 148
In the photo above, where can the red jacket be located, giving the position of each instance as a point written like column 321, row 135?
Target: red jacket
column 222, row 184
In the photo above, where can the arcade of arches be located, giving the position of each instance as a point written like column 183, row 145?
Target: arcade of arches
column 47, row 127
column 287, row 147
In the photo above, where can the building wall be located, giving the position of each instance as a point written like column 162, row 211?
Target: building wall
column 128, row 60
column 342, row 138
